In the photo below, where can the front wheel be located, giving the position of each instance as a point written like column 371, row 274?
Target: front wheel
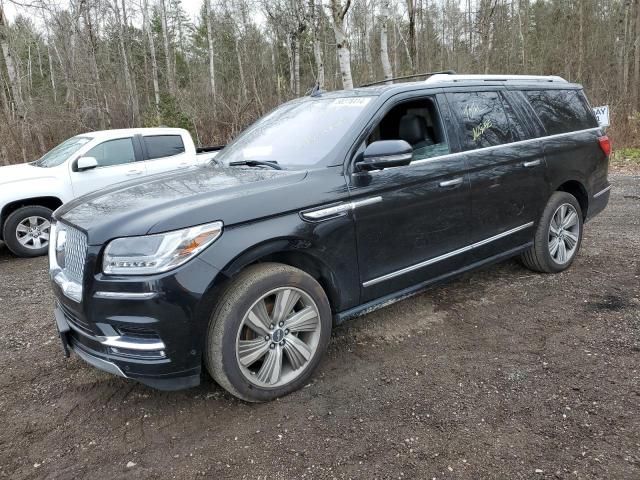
column 558, row 235
column 268, row 332
column 26, row 231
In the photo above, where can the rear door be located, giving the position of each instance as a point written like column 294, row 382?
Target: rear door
column 164, row 153
column 118, row 160
column 506, row 169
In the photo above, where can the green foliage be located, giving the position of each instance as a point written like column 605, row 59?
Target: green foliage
column 627, row 155
column 170, row 115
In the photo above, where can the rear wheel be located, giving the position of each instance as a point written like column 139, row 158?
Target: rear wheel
column 558, row 235
column 26, row 231
column 268, row 332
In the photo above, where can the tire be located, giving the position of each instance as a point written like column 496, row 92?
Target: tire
column 234, row 334
column 18, row 229
column 540, row 258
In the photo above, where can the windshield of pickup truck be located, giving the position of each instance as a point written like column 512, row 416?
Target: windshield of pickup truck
column 299, row 133
column 62, row 152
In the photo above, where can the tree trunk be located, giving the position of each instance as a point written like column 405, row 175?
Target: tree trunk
column 154, row 62
column 93, row 48
column 12, row 73
column 411, row 10
column 317, row 47
column 51, row 74
column 165, row 37
column 384, row 48
column 636, row 60
column 212, row 71
column 295, row 46
column 344, row 54
column 133, row 99
column 243, row 83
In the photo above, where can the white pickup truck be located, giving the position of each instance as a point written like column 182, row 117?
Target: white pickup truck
column 29, row 192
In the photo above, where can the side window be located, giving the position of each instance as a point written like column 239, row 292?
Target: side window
column 482, row 117
column 518, row 131
column 159, row 146
column 561, row 111
column 113, row 152
column 418, row 123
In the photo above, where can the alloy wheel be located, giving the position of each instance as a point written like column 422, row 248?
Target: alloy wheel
column 564, row 233
column 33, row 232
column 278, row 337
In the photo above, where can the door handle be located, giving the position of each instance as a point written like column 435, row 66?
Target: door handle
column 183, row 164
column 451, row 183
column 533, row 163
column 130, row 173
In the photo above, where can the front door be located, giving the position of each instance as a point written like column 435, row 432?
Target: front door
column 410, row 220
column 117, row 162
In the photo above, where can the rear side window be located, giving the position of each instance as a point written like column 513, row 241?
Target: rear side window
column 159, row 146
column 483, row 119
column 561, row 111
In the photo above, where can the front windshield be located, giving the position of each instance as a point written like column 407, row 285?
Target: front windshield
column 298, row 133
column 59, row 154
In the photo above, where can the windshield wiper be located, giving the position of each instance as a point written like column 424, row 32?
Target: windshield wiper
column 257, row 163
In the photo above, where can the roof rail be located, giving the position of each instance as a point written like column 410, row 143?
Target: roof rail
column 406, row 77
column 495, row 78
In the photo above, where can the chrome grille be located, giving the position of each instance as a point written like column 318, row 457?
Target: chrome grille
column 75, row 252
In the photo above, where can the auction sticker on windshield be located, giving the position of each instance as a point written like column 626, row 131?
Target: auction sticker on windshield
column 350, row 102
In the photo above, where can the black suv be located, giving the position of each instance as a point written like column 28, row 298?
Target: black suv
column 330, row 206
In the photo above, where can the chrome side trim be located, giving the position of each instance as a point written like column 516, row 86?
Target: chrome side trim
column 125, row 295
column 431, row 261
column 602, row 192
column 495, row 147
column 338, row 210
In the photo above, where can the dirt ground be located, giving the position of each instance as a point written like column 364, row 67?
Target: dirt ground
column 501, row 374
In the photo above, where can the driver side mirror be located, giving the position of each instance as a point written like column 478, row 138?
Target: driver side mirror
column 87, row 163
column 386, row 154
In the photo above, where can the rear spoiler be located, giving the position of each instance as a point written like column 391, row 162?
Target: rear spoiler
column 213, row 148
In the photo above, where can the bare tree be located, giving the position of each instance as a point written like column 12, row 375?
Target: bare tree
column 384, row 48
column 339, row 12
column 212, row 72
column 154, row 62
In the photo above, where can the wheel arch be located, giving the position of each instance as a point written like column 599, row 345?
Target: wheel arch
column 50, row 202
column 578, row 190
column 281, row 251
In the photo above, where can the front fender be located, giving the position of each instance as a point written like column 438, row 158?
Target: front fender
column 328, row 247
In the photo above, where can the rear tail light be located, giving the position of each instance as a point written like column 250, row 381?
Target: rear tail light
column 605, row 145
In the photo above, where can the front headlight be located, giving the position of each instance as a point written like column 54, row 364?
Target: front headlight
column 158, row 253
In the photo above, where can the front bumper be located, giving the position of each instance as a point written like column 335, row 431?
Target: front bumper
column 149, row 329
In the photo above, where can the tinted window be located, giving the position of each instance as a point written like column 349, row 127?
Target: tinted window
column 483, row 119
column 517, row 129
column 159, row 146
column 561, row 111
column 113, row 152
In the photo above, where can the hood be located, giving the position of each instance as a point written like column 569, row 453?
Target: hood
column 22, row 172
column 172, row 201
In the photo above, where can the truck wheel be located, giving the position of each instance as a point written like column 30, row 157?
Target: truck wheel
column 268, row 332
column 558, row 235
column 26, row 231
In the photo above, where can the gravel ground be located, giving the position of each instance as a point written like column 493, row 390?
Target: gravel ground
column 500, row 374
